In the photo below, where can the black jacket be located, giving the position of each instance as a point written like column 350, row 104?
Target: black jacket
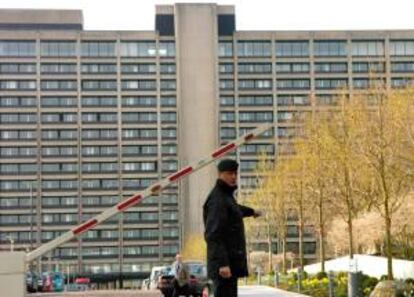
column 224, row 231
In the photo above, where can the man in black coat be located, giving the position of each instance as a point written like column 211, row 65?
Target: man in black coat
column 224, row 232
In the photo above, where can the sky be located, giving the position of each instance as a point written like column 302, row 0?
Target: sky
column 250, row 14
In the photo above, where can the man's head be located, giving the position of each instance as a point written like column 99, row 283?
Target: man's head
column 178, row 258
column 227, row 171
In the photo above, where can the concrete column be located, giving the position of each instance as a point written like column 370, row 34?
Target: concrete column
column 197, row 102
column 12, row 274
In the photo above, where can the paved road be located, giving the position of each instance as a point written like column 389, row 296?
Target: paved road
column 262, row 291
column 244, row 291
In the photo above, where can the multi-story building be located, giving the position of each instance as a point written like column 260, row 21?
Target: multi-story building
column 90, row 117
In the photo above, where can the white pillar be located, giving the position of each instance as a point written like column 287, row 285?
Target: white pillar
column 12, row 274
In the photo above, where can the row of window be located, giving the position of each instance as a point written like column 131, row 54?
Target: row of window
column 319, row 67
column 304, row 84
column 321, row 48
column 103, row 184
column 87, row 151
column 87, row 49
column 102, row 101
column 71, row 85
column 88, row 134
column 86, row 201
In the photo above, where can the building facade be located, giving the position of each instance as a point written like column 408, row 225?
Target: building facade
column 88, row 118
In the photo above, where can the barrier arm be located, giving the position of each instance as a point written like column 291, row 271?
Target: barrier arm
column 137, row 198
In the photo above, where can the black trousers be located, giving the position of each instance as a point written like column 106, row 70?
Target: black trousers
column 225, row 287
column 178, row 291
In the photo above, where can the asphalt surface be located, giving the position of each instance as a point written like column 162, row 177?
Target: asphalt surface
column 244, row 291
column 262, row 291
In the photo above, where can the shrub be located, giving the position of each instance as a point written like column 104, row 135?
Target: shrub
column 321, row 274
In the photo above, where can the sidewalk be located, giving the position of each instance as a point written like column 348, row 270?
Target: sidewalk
column 265, row 291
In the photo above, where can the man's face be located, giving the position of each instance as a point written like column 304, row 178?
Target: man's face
column 229, row 177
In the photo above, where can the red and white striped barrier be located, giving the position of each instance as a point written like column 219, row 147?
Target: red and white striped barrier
column 135, row 199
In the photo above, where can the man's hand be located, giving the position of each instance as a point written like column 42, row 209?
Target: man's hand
column 225, row 272
column 257, row 213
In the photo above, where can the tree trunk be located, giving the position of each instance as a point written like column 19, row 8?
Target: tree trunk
column 284, row 260
column 301, row 228
column 350, row 236
column 321, row 235
column 388, row 247
column 269, row 242
column 322, row 246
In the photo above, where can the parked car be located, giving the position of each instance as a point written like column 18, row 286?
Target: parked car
column 199, row 284
column 58, row 281
column 32, row 282
column 145, row 284
column 156, row 272
column 47, row 285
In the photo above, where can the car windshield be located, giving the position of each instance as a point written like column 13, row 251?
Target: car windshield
column 195, row 268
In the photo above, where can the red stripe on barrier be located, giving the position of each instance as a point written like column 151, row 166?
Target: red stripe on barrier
column 129, row 202
column 223, row 150
column 180, row 173
column 248, row 137
column 155, row 188
column 85, row 226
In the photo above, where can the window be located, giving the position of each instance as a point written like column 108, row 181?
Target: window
column 226, row 101
column 98, row 85
column 139, row 167
column 166, row 49
column 140, row 117
column 142, row 68
column 98, row 68
column 227, row 116
column 18, row 85
column 139, row 133
column 367, row 48
column 331, row 83
column 287, row 84
column 254, row 68
column 98, row 49
column 292, row 48
column 255, row 84
column 402, row 66
column 167, row 68
column 253, row 48
column 17, row 68
column 138, row 49
column 329, row 48
column 168, row 84
column 18, row 101
column 263, row 116
column 58, row 85
column 289, row 100
column 331, row 67
column 226, row 84
column 144, row 85
column 365, row 83
column 58, row 68
column 99, row 101
column 168, row 117
column 292, row 67
column 225, row 49
column 59, row 101
column 226, row 68
column 399, row 82
column 17, row 48
column 368, row 67
column 402, row 47
column 58, row 48
column 147, row 150
column 104, row 117
column 139, row 101
column 169, row 133
column 255, row 100
column 168, row 101
column 227, row 133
